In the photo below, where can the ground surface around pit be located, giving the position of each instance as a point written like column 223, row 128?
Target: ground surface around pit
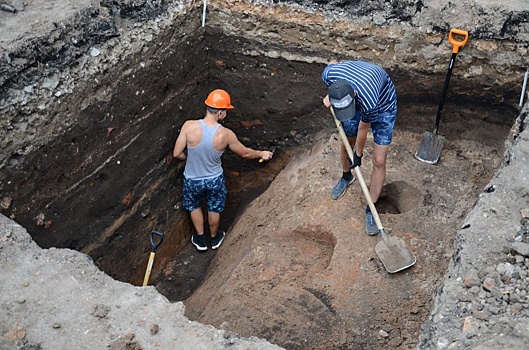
column 306, row 275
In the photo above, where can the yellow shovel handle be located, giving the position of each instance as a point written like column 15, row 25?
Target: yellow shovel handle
column 457, row 44
column 149, row 269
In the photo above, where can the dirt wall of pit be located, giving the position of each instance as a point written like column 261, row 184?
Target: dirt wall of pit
column 50, row 55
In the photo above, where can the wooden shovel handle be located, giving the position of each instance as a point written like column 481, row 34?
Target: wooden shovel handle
column 155, row 243
column 149, row 269
column 358, row 173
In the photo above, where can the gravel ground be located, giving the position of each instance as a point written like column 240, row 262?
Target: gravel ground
column 483, row 302
column 58, row 299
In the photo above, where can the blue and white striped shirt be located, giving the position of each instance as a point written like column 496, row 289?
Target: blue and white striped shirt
column 375, row 92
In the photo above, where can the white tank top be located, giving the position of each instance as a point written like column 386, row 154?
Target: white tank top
column 203, row 160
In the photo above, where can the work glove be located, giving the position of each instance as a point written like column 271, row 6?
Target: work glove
column 357, row 160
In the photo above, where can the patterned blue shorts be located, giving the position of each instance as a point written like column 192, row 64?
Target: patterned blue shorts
column 213, row 189
column 382, row 129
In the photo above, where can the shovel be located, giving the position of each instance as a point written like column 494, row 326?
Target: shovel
column 154, row 246
column 392, row 251
column 431, row 142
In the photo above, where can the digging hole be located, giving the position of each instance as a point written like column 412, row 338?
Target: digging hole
column 110, row 180
column 398, row 197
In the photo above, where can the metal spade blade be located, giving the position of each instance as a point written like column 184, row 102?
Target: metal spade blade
column 430, row 147
column 394, row 253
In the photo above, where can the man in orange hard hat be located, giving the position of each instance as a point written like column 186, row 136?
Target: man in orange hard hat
column 206, row 140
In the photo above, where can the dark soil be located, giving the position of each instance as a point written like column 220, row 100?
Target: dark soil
column 112, row 179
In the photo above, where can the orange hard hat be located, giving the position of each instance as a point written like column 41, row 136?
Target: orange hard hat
column 219, row 99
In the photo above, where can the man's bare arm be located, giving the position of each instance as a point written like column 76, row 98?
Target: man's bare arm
column 180, row 144
column 245, row 152
column 361, row 138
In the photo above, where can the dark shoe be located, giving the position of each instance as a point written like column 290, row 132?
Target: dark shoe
column 371, row 225
column 199, row 241
column 341, row 186
column 217, row 240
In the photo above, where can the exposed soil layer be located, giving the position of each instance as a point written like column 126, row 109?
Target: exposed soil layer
column 298, row 270
column 111, row 179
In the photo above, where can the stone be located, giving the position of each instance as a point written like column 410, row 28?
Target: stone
column 521, row 248
column 468, row 325
column 488, row 284
column 505, row 269
column 472, row 279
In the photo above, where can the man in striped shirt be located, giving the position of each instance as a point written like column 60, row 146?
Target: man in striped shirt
column 362, row 95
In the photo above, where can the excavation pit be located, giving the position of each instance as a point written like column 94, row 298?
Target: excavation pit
column 398, row 197
column 296, row 268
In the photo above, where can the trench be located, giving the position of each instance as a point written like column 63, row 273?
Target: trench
column 110, row 179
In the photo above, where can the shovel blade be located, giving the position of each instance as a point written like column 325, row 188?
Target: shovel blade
column 394, row 254
column 430, row 147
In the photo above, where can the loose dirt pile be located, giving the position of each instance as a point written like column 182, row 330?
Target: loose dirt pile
column 299, row 270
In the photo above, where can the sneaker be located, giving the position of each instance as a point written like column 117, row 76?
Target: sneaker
column 371, row 225
column 217, row 240
column 341, row 186
column 199, row 241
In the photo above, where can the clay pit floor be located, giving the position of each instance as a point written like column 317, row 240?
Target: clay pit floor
column 299, row 270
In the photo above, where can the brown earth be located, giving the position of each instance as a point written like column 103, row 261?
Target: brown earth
column 299, row 270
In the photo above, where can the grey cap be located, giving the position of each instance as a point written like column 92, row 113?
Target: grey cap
column 342, row 98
